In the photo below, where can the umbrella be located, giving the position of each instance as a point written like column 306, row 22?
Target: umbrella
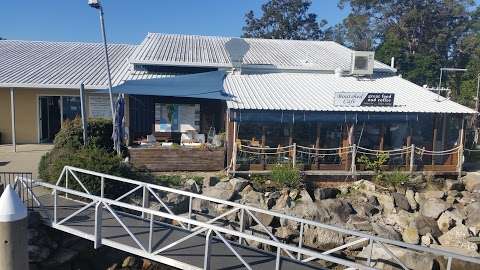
column 118, row 131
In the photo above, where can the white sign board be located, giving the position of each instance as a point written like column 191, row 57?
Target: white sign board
column 99, row 106
column 363, row 99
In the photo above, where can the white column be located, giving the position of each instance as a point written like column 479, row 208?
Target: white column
column 12, row 108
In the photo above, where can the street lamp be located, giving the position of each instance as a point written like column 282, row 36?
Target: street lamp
column 97, row 5
column 478, row 90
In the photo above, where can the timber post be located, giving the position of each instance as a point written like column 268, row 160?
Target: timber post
column 294, row 155
column 353, row 166
column 13, row 232
column 412, row 158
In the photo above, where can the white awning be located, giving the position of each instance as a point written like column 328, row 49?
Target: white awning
column 207, row 85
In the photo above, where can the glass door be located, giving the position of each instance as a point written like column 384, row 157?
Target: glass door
column 50, row 122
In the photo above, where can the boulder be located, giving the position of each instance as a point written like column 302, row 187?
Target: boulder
column 37, row 253
column 427, row 225
column 382, row 260
column 386, row 202
column 210, row 181
column 176, row 202
column 457, row 237
column 401, row 201
column 286, row 233
column 338, row 210
column 257, row 231
column 326, row 193
column 191, row 186
column 239, row 184
column 386, row 231
column 222, row 190
column 410, row 235
column 433, row 208
column 434, row 194
column 360, row 223
column 305, row 196
column 472, row 182
column 322, row 238
column 447, row 220
column 456, row 264
column 426, row 240
column 363, row 185
column 451, row 184
column 403, row 219
column 472, row 212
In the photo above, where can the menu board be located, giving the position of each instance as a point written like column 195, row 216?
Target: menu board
column 99, row 106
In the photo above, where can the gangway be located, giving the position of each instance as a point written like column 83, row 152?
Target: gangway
column 182, row 241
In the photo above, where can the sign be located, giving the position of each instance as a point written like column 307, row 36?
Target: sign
column 362, row 99
column 99, row 106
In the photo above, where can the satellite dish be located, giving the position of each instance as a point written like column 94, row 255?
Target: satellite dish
column 237, row 48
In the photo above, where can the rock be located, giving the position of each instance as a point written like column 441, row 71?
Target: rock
column 403, row 219
column 61, row 256
column 457, row 237
column 132, row 262
column 386, row 202
column 401, row 201
column 433, row 208
column 200, row 205
column 372, row 200
column 382, row 260
column 454, row 185
column 472, row 182
column 326, row 193
column 360, row 223
column 434, row 194
column 456, row 264
column 472, row 212
column 410, row 235
column 446, row 221
column 294, row 194
column 365, row 209
column 426, row 240
column 37, row 254
column 427, row 225
column 305, row 196
column 191, row 186
column 363, row 185
column 257, row 231
column 222, row 192
column 286, row 233
column 176, row 202
column 338, row 210
column 321, row 238
column 239, row 184
column 385, row 231
column 283, row 202
column 210, row 181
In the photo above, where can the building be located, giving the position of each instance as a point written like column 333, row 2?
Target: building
column 264, row 95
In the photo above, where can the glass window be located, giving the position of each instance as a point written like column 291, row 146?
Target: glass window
column 71, row 107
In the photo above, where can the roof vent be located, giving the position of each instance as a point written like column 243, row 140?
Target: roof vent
column 338, row 72
column 362, row 63
column 237, row 48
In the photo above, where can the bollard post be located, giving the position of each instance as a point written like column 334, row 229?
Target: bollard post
column 13, row 232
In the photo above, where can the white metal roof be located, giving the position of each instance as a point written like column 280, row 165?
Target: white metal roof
column 60, row 64
column 193, row 50
column 315, row 92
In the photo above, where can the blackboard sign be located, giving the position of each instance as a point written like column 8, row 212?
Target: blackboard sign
column 362, row 99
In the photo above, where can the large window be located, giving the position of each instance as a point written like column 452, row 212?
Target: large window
column 177, row 117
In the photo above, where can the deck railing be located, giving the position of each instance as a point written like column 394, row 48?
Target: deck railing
column 408, row 159
column 230, row 223
column 9, row 178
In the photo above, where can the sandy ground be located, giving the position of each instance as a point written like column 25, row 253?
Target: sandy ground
column 26, row 158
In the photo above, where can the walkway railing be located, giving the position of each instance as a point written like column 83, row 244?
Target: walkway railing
column 9, row 178
column 103, row 200
column 409, row 159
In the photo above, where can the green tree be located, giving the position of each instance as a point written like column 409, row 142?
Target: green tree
column 284, row 19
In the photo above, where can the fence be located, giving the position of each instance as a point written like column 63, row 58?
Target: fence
column 9, row 178
column 347, row 159
column 229, row 224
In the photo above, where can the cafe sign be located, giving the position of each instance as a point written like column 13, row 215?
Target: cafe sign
column 362, row 99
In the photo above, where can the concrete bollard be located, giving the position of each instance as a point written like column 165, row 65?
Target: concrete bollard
column 13, row 232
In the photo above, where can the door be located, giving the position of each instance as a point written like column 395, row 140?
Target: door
column 50, row 117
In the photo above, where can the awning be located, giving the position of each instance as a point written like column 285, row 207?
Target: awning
column 208, row 85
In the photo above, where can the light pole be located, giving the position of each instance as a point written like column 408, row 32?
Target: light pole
column 441, row 74
column 97, row 5
column 478, row 90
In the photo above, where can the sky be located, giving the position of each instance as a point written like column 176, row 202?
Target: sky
column 130, row 21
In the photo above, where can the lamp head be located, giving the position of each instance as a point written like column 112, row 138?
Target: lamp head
column 94, row 3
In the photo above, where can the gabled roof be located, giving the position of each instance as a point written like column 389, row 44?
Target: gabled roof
column 61, row 64
column 315, row 92
column 210, row 51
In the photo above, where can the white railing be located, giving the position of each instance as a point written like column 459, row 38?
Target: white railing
column 100, row 199
column 410, row 158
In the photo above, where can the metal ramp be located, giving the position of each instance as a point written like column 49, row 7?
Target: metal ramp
column 181, row 241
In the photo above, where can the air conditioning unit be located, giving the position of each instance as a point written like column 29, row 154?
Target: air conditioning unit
column 362, row 62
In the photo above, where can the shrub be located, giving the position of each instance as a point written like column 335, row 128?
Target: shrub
column 286, row 175
column 169, row 180
column 99, row 132
column 374, row 164
column 395, row 178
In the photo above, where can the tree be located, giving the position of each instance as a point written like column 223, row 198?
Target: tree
column 284, row 19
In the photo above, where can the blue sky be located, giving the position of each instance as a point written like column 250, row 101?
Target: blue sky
column 128, row 21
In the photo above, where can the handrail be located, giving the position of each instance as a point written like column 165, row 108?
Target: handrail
column 291, row 248
column 263, row 211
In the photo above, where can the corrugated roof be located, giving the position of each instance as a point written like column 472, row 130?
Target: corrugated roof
column 61, row 64
column 193, row 50
column 315, row 92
